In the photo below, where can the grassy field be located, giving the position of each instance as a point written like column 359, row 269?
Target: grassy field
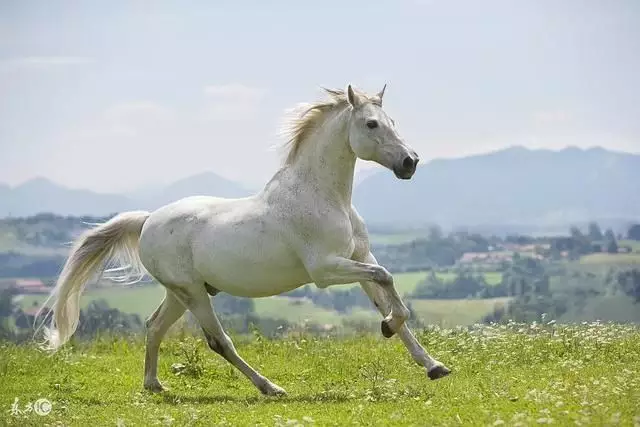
column 492, row 277
column 611, row 259
column 298, row 310
column 141, row 300
column 634, row 244
column 450, row 313
column 520, row 375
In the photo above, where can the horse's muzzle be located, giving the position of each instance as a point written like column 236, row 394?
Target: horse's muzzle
column 407, row 168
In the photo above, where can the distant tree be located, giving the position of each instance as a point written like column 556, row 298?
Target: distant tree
column 580, row 243
column 100, row 317
column 609, row 235
column 595, row 234
column 7, row 307
column 634, row 232
column 519, row 239
column 629, row 283
column 541, row 286
column 612, row 247
column 435, row 233
column 225, row 304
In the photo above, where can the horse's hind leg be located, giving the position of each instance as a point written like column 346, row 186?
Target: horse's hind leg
column 157, row 325
column 200, row 305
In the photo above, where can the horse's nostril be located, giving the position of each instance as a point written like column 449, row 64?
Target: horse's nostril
column 408, row 163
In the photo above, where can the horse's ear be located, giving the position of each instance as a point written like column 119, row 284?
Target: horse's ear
column 353, row 99
column 381, row 93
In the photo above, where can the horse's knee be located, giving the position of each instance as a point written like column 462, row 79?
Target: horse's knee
column 383, row 277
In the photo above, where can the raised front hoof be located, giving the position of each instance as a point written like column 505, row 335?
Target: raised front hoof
column 270, row 389
column 155, row 387
column 387, row 332
column 438, row 372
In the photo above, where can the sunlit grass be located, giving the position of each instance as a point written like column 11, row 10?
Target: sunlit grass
column 586, row 374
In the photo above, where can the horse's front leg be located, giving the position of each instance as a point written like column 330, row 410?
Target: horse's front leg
column 340, row 271
column 434, row 368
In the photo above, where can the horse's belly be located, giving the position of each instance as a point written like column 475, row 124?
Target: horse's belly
column 261, row 267
column 256, row 280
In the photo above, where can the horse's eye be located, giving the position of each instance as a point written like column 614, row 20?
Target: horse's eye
column 372, row 124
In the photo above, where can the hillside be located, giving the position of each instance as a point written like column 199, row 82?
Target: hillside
column 42, row 195
column 511, row 186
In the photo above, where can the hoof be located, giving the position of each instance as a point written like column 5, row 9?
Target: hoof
column 387, row 332
column 272, row 390
column 438, row 371
column 155, row 387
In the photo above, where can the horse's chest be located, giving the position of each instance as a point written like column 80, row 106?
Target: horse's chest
column 336, row 234
column 341, row 237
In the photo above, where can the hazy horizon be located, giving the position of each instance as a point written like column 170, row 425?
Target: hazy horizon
column 361, row 172
column 133, row 95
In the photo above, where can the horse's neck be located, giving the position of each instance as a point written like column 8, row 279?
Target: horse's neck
column 326, row 162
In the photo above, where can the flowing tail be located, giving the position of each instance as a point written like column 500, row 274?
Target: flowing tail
column 116, row 238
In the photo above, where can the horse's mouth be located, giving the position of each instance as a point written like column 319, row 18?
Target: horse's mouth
column 404, row 173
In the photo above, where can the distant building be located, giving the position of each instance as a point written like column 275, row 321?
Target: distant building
column 494, row 258
column 30, row 286
column 534, row 247
column 485, row 257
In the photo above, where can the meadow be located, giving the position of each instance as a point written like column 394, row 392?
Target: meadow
column 516, row 374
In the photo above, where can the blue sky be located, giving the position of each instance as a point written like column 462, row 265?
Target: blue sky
column 121, row 95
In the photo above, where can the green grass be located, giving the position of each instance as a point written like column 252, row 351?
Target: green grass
column 492, row 277
column 396, row 238
column 406, row 282
column 612, row 308
column 611, row 259
column 141, row 300
column 634, row 244
column 521, row 375
column 449, row 313
column 300, row 310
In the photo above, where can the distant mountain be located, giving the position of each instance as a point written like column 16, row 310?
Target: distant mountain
column 511, row 186
column 207, row 183
column 42, row 195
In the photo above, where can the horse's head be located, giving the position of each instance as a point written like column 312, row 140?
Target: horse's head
column 373, row 135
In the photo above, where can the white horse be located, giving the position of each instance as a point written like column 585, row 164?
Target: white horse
column 300, row 228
